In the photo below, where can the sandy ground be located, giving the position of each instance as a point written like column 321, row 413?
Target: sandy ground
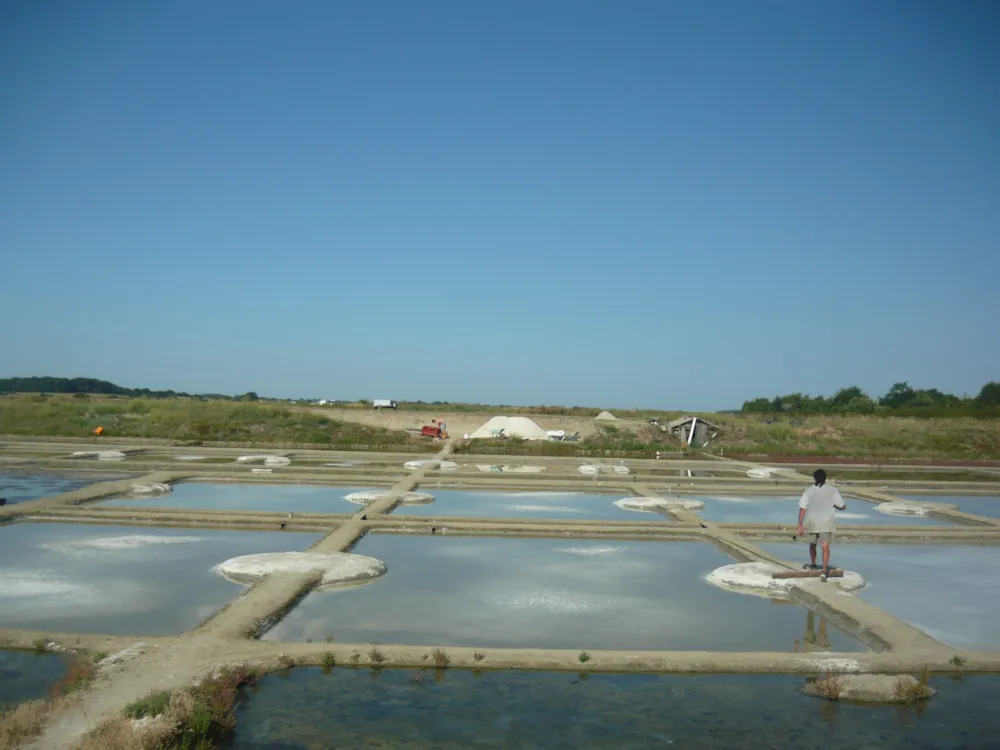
column 460, row 423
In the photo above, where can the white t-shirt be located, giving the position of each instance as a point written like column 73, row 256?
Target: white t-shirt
column 819, row 503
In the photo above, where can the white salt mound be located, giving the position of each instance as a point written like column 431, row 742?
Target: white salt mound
column 369, row 496
column 519, row 427
column 652, row 504
column 511, row 468
column 593, row 469
column 335, row 567
column 430, row 463
column 755, row 578
column 265, row 459
column 155, row 488
column 759, row 473
column 606, row 416
column 99, row 455
column 904, row 509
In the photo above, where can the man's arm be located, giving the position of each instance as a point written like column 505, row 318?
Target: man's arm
column 838, row 500
column 803, row 506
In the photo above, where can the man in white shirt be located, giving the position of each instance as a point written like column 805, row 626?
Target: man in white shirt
column 816, row 517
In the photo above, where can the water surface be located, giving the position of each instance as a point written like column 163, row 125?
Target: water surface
column 356, row 709
column 21, row 485
column 553, row 505
column 551, row 593
column 980, row 506
column 25, row 675
column 121, row 579
column 293, row 498
column 952, row 593
column 785, row 510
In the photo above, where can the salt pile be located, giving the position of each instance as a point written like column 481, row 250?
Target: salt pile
column 335, row 567
column 155, row 488
column 755, row 578
column 265, row 459
column 515, row 427
column 99, row 455
column 592, row 469
column 606, row 416
column 370, row 496
column 904, row 509
column 653, row 504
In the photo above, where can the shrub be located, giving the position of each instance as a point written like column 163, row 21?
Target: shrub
column 153, row 704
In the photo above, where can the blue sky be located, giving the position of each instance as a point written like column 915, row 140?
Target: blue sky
column 648, row 203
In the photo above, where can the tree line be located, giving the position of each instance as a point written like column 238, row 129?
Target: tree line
column 93, row 386
column 901, row 400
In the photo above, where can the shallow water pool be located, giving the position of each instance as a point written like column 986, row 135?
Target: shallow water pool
column 551, row 593
column 21, row 485
column 25, row 675
column 554, row 505
column 980, row 506
column 233, row 496
column 305, row 709
column 121, row 579
column 952, row 593
column 784, row 510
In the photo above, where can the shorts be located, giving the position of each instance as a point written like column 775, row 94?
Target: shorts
column 821, row 536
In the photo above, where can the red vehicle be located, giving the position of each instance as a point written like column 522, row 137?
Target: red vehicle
column 435, row 429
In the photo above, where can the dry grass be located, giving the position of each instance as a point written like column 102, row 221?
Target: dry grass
column 23, row 722
column 908, row 691
column 830, row 687
column 441, row 659
column 198, row 717
column 860, row 437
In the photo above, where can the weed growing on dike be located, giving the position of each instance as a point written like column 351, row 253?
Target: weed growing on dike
column 329, row 660
column 478, row 655
column 376, row 656
column 198, row 717
column 584, row 657
column 829, row 687
column 441, row 659
column 958, row 661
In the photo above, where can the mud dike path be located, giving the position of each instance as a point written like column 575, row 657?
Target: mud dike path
column 139, row 665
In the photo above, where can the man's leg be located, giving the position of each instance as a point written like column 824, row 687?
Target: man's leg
column 826, row 556
column 812, row 554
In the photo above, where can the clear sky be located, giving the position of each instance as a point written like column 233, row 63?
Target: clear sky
column 643, row 203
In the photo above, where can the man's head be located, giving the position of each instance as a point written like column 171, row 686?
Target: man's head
column 820, row 476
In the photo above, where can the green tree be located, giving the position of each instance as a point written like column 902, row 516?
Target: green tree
column 990, row 394
column 899, row 395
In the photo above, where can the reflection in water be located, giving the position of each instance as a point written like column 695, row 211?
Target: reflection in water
column 358, row 708
column 815, row 639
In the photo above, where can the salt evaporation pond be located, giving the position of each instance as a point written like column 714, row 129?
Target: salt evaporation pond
column 26, row 676
column 121, row 579
column 550, row 593
column 388, row 708
column 785, row 510
column 980, row 506
column 19, row 486
column 952, row 593
column 554, row 505
column 293, row 498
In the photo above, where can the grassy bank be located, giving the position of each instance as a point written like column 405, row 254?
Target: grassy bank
column 189, row 420
column 848, row 437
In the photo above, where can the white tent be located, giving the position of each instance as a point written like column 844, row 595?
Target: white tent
column 606, row 416
column 521, row 427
